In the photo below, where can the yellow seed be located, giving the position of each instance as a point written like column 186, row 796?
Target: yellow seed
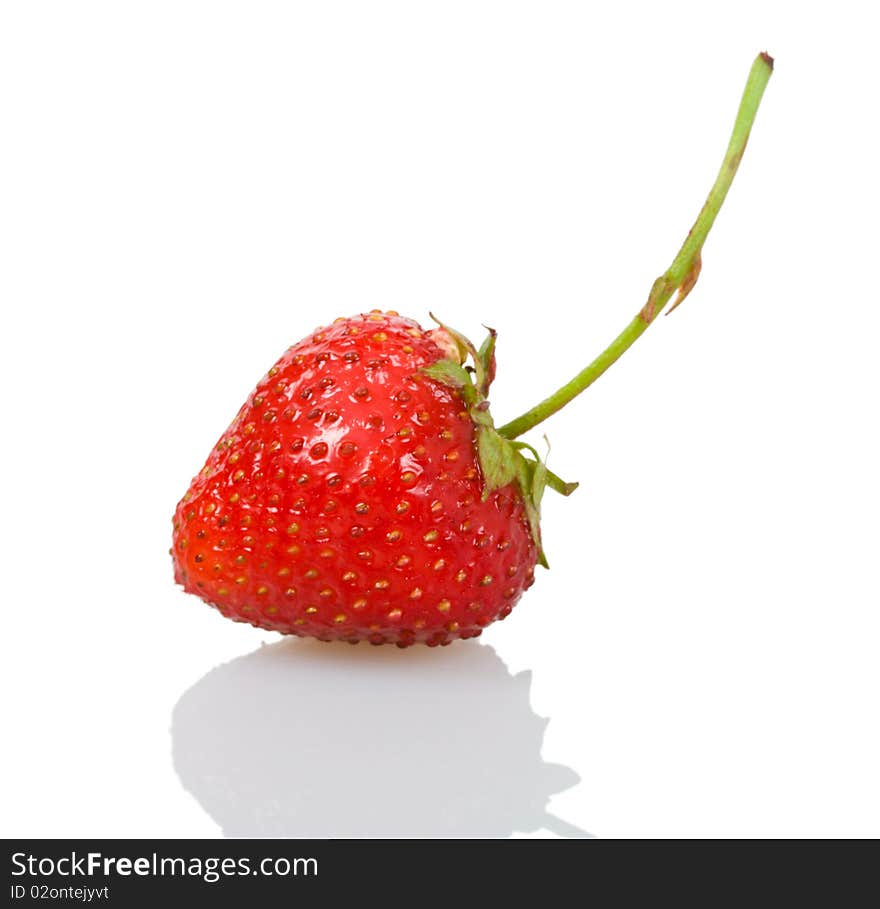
column 359, row 604
column 271, row 610
column 299, row 621
column 234, row 498
column 436, row 506
column 223, row 591
column 339, row 619
column 290, row 592
column 325, row 592
column 283, row 572
column 292, row 529
column 262, row 590
column 486, row 580
column 446, row 434
column 311, row 610
column 452, row 626
column 407, row 348
column 443, row 606
column 408, row 477
column 382, row 584
column 293, row 550
column 380, row 336
column 395, row 614
column 430, row 536
column 415, row 593
column 419, row 623
column 237, row 476
column 241, row 580
column 393, row 536
column 235, row 457
column 326, row 554
column 349, row 576
column 451, row 455
column 402, row 507
column 403, row 561
column 440, row 563
column 460, row 575
column 311, row 573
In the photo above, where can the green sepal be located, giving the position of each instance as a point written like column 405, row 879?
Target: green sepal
column 498, row 460
column 501, row 460
column 550, row 479
column 486, row 359
column 464, row 345
column 483, row 359
column 448, row 372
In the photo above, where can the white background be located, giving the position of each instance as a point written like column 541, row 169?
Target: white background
column 187, row 188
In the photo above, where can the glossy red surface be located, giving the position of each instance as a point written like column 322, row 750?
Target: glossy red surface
column 345, row 502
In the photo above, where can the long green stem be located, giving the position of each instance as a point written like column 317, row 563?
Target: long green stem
column 681, row 275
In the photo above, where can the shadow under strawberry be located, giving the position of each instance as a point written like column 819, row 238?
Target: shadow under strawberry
column 302, row 739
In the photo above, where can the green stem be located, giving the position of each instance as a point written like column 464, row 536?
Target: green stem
column 681, row 275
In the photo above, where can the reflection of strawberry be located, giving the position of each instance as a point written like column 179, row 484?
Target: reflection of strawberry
column 363, row 491
column 353, row 743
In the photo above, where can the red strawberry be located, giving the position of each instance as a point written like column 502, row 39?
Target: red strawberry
column 346, row 500
column 363, row 492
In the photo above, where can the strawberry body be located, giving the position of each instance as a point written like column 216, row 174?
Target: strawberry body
column 346, row 500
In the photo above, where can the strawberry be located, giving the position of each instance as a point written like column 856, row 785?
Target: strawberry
column 347, row 499
column 363, row 491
